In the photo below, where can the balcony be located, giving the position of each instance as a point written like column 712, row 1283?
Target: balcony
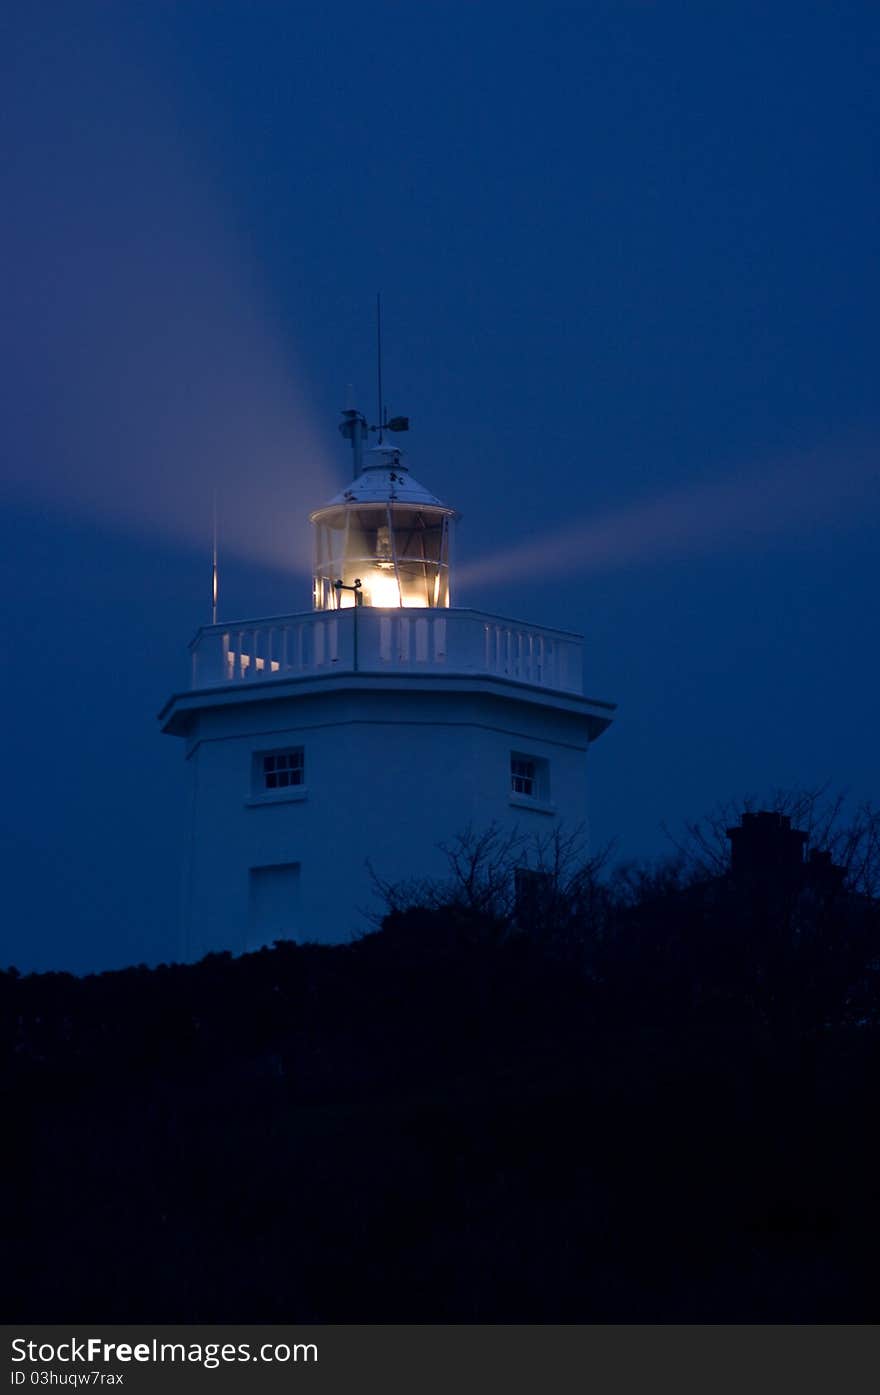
column 388, row 643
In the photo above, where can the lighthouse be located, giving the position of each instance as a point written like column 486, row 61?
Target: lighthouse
column 358, row 737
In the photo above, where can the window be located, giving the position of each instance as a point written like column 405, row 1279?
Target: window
column 281, row 769
column 523, row 776
column 277, row 777
column 530, row 782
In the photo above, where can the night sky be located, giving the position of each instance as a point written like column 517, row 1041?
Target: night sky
column 628, row 255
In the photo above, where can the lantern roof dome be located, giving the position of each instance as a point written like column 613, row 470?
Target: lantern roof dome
column 384, row 479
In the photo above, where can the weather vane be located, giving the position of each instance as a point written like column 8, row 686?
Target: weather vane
column 354, row 424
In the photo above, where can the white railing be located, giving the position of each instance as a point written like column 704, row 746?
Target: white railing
column 373, row 641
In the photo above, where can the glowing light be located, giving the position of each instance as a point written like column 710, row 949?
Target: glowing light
column 383, row 589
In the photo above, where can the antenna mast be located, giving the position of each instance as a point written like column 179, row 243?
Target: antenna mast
column 381, row 417
column 354, row 425
column 214, row 561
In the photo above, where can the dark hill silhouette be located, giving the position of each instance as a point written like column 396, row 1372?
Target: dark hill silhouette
column 647, row 1097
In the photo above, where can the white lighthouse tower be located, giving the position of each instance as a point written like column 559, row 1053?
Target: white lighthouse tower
column 366, row 732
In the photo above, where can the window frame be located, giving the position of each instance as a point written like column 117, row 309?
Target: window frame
column 539, row 797
column 285, row 787
column 527, row 774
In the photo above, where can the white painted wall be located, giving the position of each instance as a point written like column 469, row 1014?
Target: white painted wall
column 389, row 774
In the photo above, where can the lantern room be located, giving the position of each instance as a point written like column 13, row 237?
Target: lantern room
column 384, row 541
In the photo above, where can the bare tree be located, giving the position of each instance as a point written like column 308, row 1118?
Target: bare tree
column 479, row 879
column 482, row 881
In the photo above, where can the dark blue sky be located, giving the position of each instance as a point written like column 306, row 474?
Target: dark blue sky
column 628, row 255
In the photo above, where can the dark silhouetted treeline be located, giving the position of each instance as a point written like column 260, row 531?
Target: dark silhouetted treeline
column 649, row 1096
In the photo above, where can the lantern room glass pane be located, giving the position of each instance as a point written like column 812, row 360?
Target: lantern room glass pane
column 399, row 553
